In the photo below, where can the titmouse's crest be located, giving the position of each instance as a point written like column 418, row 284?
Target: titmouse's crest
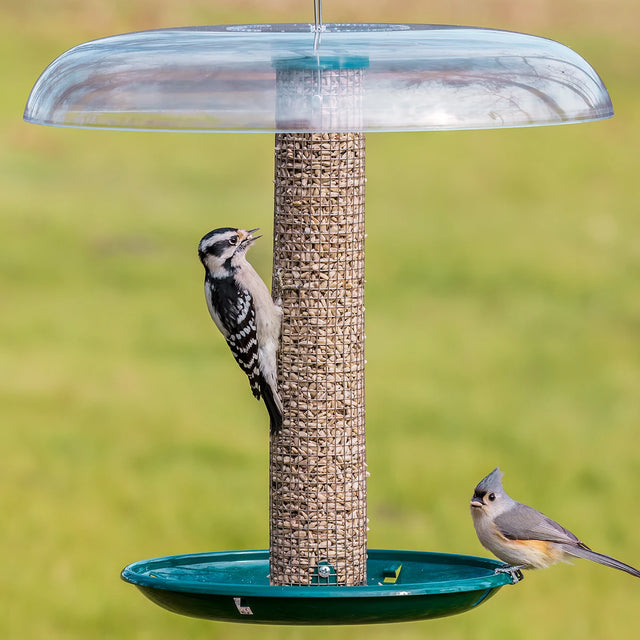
column 490, row 483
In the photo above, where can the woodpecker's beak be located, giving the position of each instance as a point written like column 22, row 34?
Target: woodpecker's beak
column 246, row 237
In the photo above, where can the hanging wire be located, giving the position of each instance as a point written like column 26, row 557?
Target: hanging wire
column 317, row 18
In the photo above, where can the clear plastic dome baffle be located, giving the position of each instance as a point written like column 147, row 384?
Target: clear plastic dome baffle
column 223, row 78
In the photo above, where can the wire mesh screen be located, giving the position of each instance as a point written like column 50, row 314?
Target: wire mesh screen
column 318, row 461
column 318, row 506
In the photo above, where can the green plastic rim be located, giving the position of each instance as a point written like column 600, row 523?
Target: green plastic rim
column 233, row 586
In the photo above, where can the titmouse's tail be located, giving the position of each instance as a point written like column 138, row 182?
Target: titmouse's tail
column 582, row 551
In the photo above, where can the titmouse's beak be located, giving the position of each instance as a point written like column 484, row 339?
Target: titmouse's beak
column 477, row 502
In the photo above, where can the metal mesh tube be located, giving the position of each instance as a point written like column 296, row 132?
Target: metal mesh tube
column 318, row 507
column 318, row 461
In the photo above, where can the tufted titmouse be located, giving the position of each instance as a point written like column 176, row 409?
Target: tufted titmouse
column 523, row 537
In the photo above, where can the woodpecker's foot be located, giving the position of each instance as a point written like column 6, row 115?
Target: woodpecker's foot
column 514, row 571
column 281, row 286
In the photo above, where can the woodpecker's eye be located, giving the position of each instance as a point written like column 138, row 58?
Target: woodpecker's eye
column 492, row 497
column 233, row 240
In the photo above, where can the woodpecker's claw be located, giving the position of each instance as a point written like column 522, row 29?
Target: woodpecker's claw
column 281, row 286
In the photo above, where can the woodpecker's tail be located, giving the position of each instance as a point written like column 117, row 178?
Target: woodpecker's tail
column 583, row 551
column 274, row 407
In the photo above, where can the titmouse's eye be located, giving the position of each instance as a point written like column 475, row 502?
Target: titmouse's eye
column 492, row 497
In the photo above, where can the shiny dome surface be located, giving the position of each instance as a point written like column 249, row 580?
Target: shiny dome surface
column 225, row 78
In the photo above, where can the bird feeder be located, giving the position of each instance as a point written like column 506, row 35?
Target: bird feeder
column 319, row 88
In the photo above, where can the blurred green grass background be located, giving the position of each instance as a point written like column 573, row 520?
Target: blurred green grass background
column 503, row 327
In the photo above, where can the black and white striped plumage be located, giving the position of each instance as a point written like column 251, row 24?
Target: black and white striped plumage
column 241, row 307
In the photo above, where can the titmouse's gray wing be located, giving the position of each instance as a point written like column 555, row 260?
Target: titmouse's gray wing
column 526, row 523
column 522, row 522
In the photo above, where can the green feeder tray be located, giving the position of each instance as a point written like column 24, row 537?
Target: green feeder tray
column 402, row 586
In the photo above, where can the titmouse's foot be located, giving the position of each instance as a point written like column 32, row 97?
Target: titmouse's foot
column 514, row 571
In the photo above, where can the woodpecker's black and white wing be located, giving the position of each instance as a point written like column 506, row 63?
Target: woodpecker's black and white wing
column 233, row 311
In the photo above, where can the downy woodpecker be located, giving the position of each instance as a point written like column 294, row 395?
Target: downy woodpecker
column 242, row 308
